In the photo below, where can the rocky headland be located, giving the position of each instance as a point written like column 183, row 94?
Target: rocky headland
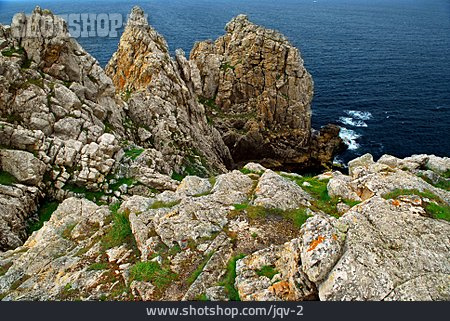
column 125, row 184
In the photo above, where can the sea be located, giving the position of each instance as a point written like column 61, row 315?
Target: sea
column 381, row 68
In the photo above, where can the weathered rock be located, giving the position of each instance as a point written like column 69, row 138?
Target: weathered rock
column 22, row 165
column 192, row 185
column 340, row 186
column 56, row 100
column 378, row 261
column 290, row 284
column 216, row 293
column 322, row 240
column 440, row 165
column 161, row 99
column 232, row 188
column 213, row 270
column 255, row 167
column 275, row 191
column 51, row 254
column 256, row 89
column 17, row 204
column 142, row 289
column 362, row 161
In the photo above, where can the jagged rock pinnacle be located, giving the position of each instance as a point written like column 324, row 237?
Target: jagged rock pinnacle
column 137, row 17
column 240, row 20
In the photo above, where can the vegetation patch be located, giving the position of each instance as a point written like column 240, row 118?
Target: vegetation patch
column 442, row 183
column 68, row 292
column 94, row 196
column 120, row 231
column 226, row 65
column 248, row 171
column 152, row 272
column 435, row 207
column 134, row 153
column 13, row 51
column 161, row 204
column 126, row 95
column 26, row 63
column 211, row 103
column 202, row 194
column 230, row 277
column 174, row 250
column 318, row 189
column 398, row 192
column 201, row 297
column 446, row 174
column 44, row 213
column 7, row 179
column 267, row 271
column 177, row 176
column 438, row 211
column 297, row 216
column 122, row 181
column 67, row 232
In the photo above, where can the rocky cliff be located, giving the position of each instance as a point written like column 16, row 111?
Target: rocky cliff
column 161, row 101
column 380, row 233
column 114, row 184
column 258, row 94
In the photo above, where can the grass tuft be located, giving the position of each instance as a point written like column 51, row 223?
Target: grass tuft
column 7, row 179
column 443, row 183
column 267, row 271
column 398, row 192
column 134, row 153
column 201, row 297
column 152, row 272
column 437, row 208
column 120, row 231
column 161, row 204
column 230, row 277
column 318, row 189
column 438, row 211
column 177, row 176
column 44, row 213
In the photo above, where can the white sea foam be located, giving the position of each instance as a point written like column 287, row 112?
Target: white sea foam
column 349, row 137
column 352, row 122
column 362, row 115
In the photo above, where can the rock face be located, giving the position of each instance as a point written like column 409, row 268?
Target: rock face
column 257, row 91
column 379, row 233
column 162, row 101
column 384, row 248
column 380, row 249
column 17, row 204
column 378, row 262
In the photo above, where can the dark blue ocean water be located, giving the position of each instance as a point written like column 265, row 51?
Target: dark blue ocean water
column 381, row 67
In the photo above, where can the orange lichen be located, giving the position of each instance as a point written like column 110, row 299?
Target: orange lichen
column 316, row 242
column 280, row 288
column 396, row 202
column 334, row 236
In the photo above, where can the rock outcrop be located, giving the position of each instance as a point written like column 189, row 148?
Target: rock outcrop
column 161, row 101
column 145, row 206
column 258, row 93
column 58, row 111
column 394, row 245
